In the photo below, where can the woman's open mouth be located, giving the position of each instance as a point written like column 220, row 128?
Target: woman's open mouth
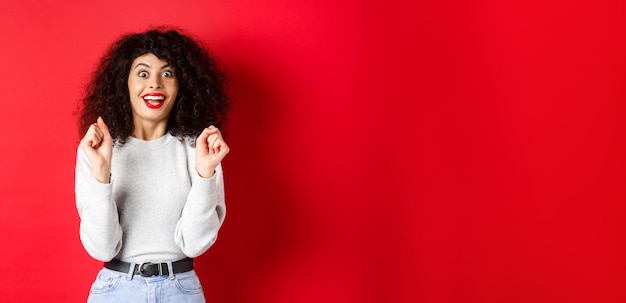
column 154, row 100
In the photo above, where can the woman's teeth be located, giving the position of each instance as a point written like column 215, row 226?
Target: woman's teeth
column 154, row 101
column 154, row 98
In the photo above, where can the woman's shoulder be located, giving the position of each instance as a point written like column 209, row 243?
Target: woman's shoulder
column 187, row 141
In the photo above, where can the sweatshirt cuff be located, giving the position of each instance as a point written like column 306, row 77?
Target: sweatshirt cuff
column 203, row 187
column 101, row 189
column 101, row 201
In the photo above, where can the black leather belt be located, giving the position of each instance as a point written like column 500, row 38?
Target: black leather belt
column 150, row 269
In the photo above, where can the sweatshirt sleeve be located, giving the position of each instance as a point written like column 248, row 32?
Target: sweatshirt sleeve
column 100, row 229
column 202, row 215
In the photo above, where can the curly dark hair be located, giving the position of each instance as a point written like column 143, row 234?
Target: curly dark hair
column 202, row 98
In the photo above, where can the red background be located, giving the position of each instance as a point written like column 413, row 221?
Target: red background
column 455, row 151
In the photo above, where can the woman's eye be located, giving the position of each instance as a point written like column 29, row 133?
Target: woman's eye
column 143, row 74
column 167, row 74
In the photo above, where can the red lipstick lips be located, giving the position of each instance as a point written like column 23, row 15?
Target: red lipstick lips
column 154, row 100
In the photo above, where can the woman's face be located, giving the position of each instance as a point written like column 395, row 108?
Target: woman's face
column 152, row 87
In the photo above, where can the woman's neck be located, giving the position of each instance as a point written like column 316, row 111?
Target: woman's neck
column 149, row 131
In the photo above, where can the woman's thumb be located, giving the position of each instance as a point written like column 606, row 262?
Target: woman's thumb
column 103, row 126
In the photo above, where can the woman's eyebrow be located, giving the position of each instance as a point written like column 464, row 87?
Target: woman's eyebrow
column 148, row 66
column 142, row 64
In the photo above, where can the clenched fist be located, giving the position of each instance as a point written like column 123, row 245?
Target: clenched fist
column 210, row 150
column 98, row 145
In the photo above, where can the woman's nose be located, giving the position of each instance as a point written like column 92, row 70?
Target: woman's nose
column 155, row 82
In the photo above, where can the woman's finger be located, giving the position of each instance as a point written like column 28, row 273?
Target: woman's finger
column 211, row 143
column 88, row 139
column 202, row 143
column 217, row 144
column 103, row 129
column 224, row 149
column 96, row 136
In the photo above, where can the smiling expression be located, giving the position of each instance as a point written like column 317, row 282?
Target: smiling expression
column 152, row 86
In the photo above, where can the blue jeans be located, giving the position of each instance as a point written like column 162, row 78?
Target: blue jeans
column 113, row 286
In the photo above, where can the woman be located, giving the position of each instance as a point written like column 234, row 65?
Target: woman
column 149, row 184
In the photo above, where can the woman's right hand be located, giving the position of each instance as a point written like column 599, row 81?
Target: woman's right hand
column 98, row 146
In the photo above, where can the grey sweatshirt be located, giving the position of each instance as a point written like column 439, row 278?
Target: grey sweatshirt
column 156, row 208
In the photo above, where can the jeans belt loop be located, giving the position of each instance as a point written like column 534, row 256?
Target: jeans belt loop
column 170, row 269
column 131, row 271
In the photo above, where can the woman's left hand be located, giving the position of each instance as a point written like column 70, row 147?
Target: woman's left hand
column 210, row 150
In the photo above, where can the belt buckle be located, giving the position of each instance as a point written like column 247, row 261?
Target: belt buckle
column 149, row 269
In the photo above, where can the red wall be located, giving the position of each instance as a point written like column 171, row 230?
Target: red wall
column 446, row 151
